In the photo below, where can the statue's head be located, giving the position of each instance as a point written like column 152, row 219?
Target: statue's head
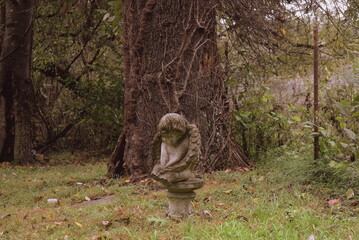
column 172, row 127
column 173, row 121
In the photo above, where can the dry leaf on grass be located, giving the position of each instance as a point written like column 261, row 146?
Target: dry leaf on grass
column 78, row 224
column 106, row 223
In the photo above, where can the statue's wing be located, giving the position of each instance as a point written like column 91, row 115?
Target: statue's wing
column 191, row 157
column 194, row 145
column 156, row 149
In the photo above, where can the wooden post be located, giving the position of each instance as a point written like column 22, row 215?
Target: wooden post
column 316, row 88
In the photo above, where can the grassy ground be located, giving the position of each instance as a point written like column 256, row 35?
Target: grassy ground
column 257, row 204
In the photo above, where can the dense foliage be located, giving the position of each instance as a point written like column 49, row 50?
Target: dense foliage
column 77, row 74
column 272, row 89
column 78, row 78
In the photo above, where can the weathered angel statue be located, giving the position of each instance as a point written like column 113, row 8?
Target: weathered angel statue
column 176, row 148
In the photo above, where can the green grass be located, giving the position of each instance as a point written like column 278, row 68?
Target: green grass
column 265, row 203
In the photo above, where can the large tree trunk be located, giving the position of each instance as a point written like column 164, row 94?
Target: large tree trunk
column 171, row 65
column 15, row 84
column 2, row 100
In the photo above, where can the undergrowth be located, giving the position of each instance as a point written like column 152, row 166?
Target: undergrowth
column 299, row 167
column 278, row 199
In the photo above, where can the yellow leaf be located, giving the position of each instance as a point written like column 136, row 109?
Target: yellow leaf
column 255, row 200
column 78, row 224
column 282, row 30
column 228, row 191
column 127, row 181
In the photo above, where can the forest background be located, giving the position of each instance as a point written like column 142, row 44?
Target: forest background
column 84, row 83
column 69, row 89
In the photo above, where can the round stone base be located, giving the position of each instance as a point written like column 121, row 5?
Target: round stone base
column 180, row 196
column 180, row 204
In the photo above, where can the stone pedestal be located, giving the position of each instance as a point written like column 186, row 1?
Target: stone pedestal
column 180, row 196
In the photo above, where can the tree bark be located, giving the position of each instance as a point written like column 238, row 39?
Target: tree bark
column 171, row 65
column 2, row 100
column 16, row 86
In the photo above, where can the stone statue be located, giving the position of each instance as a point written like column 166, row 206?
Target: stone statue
column 176, row 148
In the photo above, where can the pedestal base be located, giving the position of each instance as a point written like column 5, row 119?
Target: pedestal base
column 180, row 196
column 180, row 204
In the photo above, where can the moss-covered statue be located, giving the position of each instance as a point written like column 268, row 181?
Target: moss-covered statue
column 176, row 148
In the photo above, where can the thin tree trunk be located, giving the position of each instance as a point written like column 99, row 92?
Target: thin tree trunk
column 172, row 65
column 316, row 90
column 16, row 86
column 115, row 165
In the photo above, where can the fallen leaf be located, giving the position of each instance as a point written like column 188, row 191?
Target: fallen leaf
column 240, row 217
column 87, row 198
column 332, row 226
column 127, row 180
column 4, row 216
column 144, row 180
column 125, row 220
column 333, row 201
column 141, row 192
column 78, row 224
column 251, row 189
column 217, row 205
column 106, row 223
column 104, row 237
column 207, row 199
column 39, row 198
column 206, row 212
column 228, row 191
column 154, row 196
column 58, row 223
column 255, row 200
column 311, row 237
column 350, row 193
